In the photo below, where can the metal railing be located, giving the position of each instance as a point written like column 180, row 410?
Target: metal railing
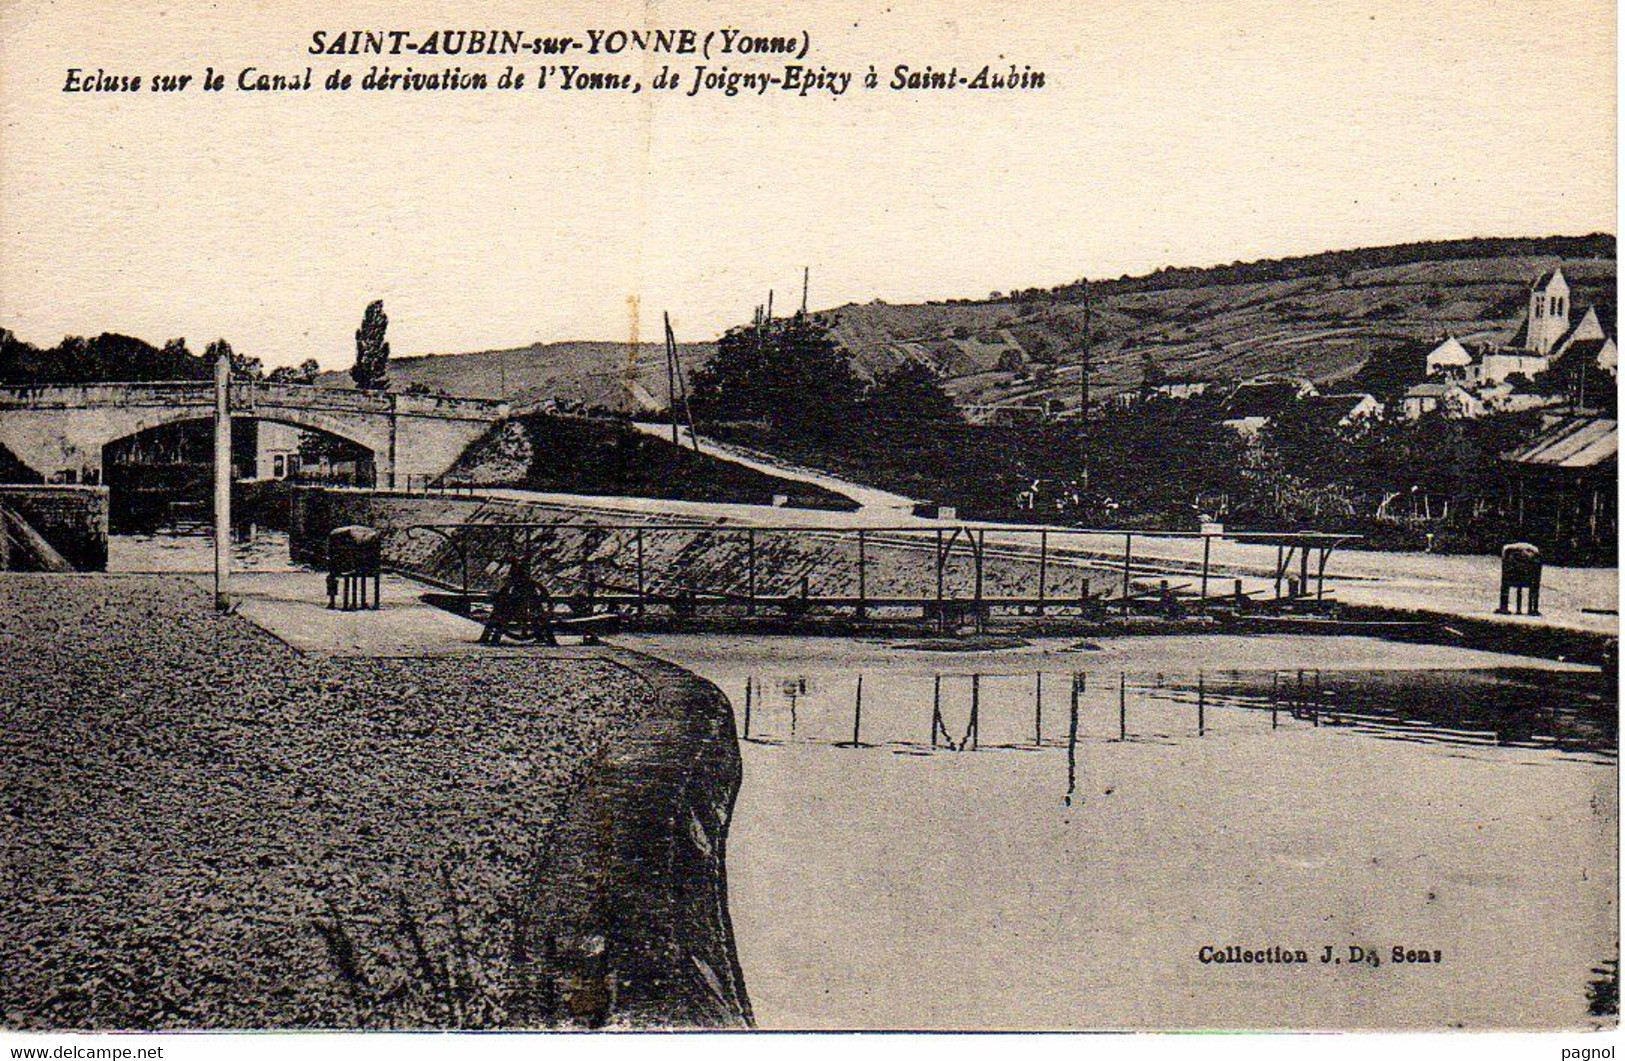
column 944, row 572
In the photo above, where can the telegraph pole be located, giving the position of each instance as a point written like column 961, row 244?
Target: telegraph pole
column 222, row 480
column 1086, row 363
column 675, row 367
column 671, row 381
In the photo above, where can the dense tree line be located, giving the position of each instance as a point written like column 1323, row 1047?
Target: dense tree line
column 114, row 358
column 109, row 357
column 787, row 387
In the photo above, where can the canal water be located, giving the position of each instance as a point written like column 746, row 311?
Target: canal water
column 169, row 552
column 1058, row 835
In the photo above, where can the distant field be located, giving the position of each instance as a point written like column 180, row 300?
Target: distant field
column 1321, row 317
column 596, row 375
column 1323, row 327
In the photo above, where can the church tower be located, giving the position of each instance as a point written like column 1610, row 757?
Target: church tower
column 1548, row 312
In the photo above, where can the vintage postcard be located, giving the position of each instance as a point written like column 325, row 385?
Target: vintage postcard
column 856, row 516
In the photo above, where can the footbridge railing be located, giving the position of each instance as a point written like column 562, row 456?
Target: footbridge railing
column 941, row 574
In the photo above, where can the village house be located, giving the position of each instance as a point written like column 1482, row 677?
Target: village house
column 1257, row 401
column 1448, row 356
column 276, row 450
column 1448, row 397
column 1544, row 341
column 1341, row 413
column 1486, row 364
column 1182, row 390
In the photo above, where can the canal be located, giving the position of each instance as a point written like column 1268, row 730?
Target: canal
column 934, row 839
column 1053, row 835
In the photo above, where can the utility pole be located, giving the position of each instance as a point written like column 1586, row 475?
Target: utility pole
column 1084, row 366
column 806, row 278
column 671, row 382
column 676, row 369
column 222, row 480
column 1086, row 362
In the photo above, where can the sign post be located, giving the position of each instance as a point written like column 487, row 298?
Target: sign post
column 222, row 480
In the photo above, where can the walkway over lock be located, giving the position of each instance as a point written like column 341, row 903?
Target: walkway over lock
column 941, row 574
column 59, row 431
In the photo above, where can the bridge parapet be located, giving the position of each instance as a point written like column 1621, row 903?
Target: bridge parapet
column 102, row 395
column 247, row 396
column 450, row 406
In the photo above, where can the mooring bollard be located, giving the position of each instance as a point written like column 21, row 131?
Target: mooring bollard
column 975, row 735
column 936, row 708
column 1072, row 741
column 1201, row 705
column 857, row 714
column 1038, row 709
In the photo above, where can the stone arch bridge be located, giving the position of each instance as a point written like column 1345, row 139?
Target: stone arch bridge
column 60, row 431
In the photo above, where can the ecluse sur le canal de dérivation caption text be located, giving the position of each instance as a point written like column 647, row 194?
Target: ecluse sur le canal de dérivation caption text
column 678, row 62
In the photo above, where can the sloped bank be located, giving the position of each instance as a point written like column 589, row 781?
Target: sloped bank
column 627, row 920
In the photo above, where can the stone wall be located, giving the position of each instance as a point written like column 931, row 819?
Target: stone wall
column 627, row 921
column 71, row 519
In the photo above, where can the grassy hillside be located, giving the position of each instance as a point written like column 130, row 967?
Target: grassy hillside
column 574, row 455
column 1320, row 316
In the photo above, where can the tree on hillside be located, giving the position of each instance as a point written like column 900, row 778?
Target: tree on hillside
column 242, row 366
column 1153, row 459
column 1152, row 374
column 371, row 371
column 788, row 372
column 306, row 373
column 911, row 395
column 218, row 349
column 1390, row 367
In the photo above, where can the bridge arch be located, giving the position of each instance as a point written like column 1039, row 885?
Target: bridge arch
column 374, row 439
column 161, row 474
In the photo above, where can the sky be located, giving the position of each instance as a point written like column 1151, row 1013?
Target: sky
column 1166, row 134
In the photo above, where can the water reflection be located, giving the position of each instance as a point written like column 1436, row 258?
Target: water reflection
column 952, row 712
column 1123, row 816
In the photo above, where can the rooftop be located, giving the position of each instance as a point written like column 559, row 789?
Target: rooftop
column 1572, row 442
